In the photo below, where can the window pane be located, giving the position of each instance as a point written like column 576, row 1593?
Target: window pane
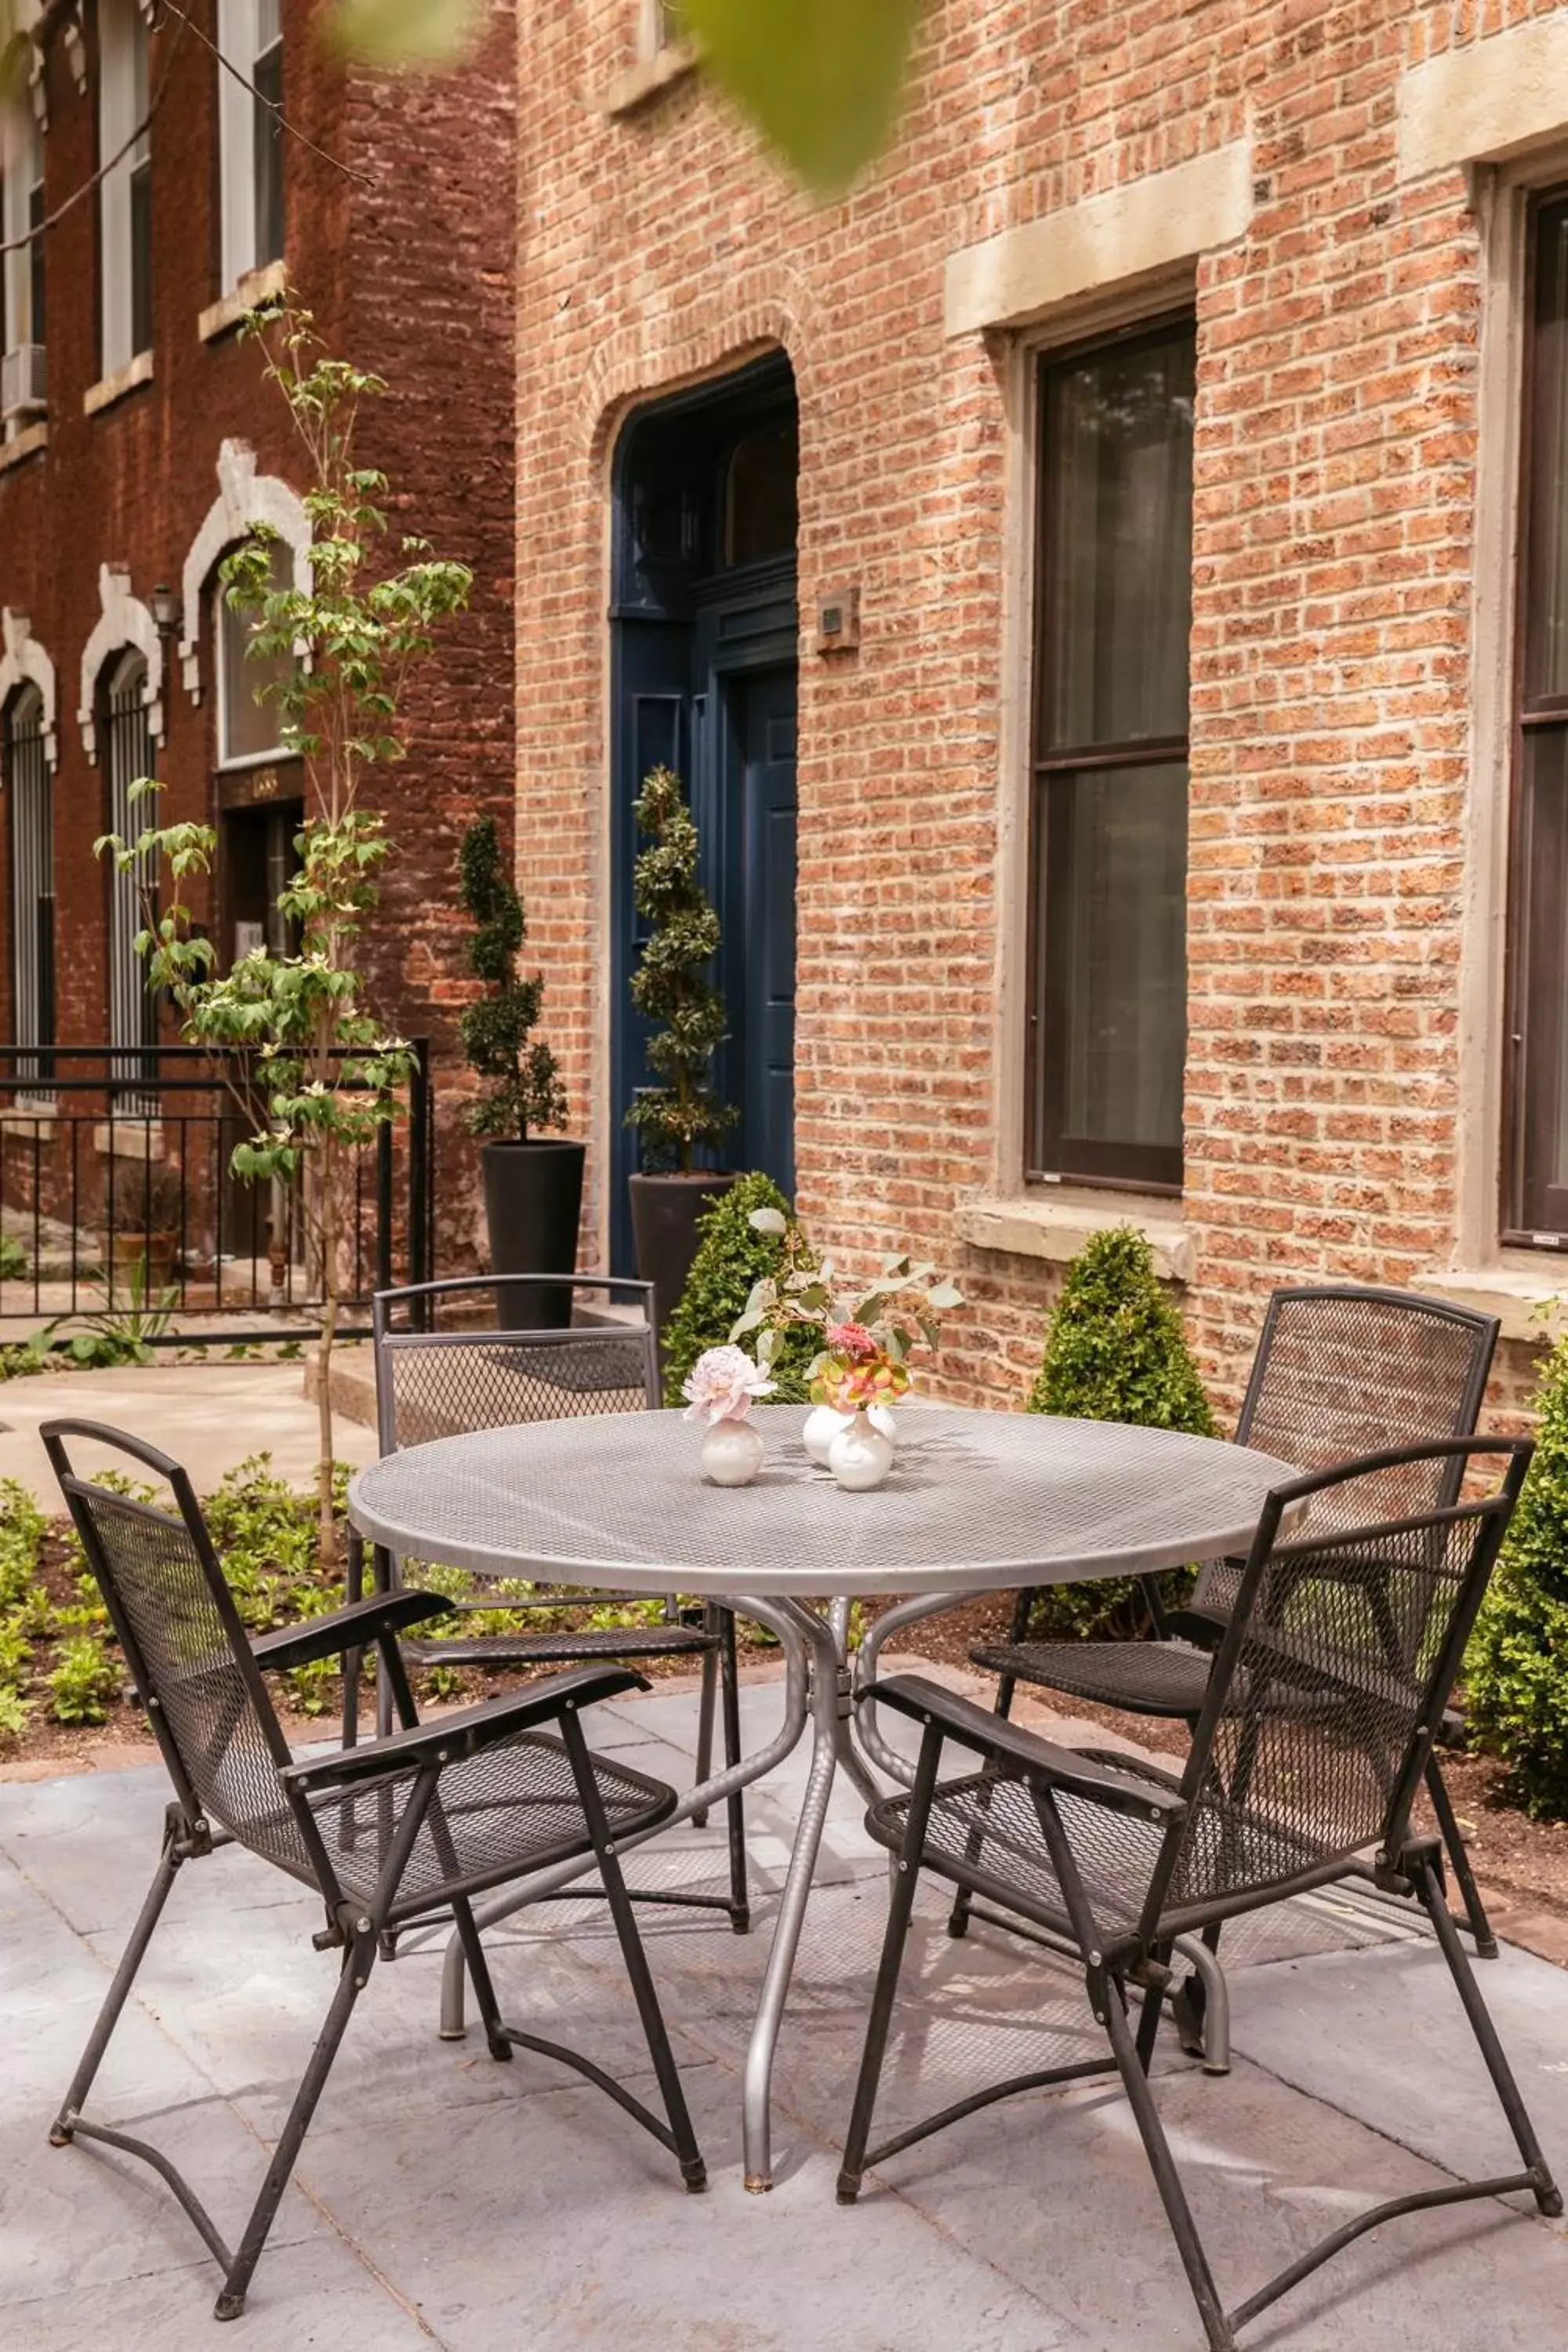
column 1541, row 1188
column 266, row 152
column 30, row 791
column 249, row 727
column 1115, row 578
column 142, row 258
column 1546, row 606
column 1114, row 935
column 760, row 496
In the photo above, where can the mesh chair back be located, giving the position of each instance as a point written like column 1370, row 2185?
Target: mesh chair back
column 186, row 1649
column 1344, row 1372
column 432, row 1382
column 1347, row 1635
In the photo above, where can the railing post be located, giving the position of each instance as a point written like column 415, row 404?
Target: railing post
column 421, row 1213
column 384, row 1205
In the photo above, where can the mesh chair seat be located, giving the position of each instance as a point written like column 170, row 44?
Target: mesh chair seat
column 985, row 1834
column 509, row 1810
column 1163, row 1678
column 564, row 1647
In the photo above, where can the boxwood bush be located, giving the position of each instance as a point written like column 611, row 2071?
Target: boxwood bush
column 1115, row 1351
column 1516, row 1673
column 731, row 1256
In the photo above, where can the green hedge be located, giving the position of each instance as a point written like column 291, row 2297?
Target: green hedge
column 1115, row 1351
column 731, row 1256
column 1516, row 1673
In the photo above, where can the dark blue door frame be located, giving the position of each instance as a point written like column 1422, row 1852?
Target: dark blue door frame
column 689, row 642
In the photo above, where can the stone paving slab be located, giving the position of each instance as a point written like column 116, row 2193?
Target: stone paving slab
column 445, row 2200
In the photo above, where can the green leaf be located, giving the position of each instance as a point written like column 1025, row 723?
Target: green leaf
column 768, row 1220
column 820, row 78
column 407, row 32
column 943, row 1295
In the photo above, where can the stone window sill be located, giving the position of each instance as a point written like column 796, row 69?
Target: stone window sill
column 26, row 444
column 111, row 388
column 643, row 81
column 1059, row 1226
column 267, row 284
column 1510, row 1290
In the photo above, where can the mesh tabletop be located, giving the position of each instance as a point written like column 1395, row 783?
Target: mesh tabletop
column 975, row 1500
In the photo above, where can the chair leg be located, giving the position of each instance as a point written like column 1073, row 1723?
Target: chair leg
column 900, row 1907
column 705, row 1722
column 353, row 1660
column 1023, row 1610
column 1454, row 1845
column 1173, row 2196
column 1548, row 2196
column 120, row 1989
column 693, row 2171
column 358, row 1961
column 479, row 1975
column 734, row 1806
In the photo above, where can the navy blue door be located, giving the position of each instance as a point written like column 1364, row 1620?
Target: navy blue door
column 763, row 950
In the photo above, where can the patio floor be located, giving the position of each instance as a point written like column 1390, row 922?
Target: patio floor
column 444, row 2200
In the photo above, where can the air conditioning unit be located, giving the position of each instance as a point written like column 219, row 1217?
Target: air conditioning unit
column 24, row 382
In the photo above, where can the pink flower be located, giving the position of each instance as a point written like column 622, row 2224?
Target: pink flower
column 853, row 1341
column 721, row 1385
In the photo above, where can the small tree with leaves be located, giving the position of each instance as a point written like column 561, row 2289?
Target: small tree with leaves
column 525, row 1089
column 671, row 983
column 297, row 1031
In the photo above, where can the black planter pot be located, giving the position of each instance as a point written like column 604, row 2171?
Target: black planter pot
column 665, row 1210
column 533, row 1201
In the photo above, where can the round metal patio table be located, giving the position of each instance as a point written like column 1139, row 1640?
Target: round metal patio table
column 976, row 1502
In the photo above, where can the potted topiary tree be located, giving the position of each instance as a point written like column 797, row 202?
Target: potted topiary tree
column 533, row 1186
column 682, row 1114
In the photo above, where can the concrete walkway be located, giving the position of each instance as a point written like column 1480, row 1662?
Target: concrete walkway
column 208, row 1415
column 445, row 2202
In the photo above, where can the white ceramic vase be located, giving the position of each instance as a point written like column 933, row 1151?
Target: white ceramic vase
column 821, row 1426
column 861, row 1456
column 731, row 1452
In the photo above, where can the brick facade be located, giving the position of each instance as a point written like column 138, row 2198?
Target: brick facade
column 408, row 270
column 1335, row 589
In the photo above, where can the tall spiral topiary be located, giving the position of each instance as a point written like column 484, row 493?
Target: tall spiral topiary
column 524, row 1089
column 671, row 985
column 1115, row 1351
column 1516, row 1670
column 733, row 1256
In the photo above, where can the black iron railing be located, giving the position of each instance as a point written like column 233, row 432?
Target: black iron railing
column 117, row 1197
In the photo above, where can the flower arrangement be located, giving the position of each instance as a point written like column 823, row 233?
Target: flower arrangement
column 863, row 1363
column 723, row 1385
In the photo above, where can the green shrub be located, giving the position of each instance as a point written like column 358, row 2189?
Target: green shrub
column 732, row 1255
column 14, row 1711
column 1516, row 1670
column 1115, row 1351
column 85, row 1681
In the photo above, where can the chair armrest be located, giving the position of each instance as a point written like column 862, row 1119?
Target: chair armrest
column 453, row 1737
column 1009, row 1744
column 346, row 1629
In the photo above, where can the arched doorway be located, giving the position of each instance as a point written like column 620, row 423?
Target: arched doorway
column 704, row 657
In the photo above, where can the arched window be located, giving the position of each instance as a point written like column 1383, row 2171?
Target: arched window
column 30, row 805
column 760, row 495
column 127, row 742
column 250, row 722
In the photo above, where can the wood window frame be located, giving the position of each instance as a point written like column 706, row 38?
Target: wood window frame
column 1531, row 969
column 1152, row 1171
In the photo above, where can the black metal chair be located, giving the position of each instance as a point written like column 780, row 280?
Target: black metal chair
column 1347, row 1627
column 1340, row 1372
column 407, row 1828
column 438, row 1374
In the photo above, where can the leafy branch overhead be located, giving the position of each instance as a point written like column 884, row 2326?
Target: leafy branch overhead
column 525, row 1089
column 671, row 985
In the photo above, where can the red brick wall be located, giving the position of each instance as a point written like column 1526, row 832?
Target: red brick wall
column 1333, row 578
column 408, row 274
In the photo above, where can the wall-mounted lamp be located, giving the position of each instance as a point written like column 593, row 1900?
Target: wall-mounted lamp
column 164, row 607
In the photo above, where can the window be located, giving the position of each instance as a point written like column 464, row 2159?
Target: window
column 127, row 736
column 30, row 794
column 250, row 36
column 22, row 270
column 1109, row 799
column 760, row 495
column 249, row 727
column 125, row 195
